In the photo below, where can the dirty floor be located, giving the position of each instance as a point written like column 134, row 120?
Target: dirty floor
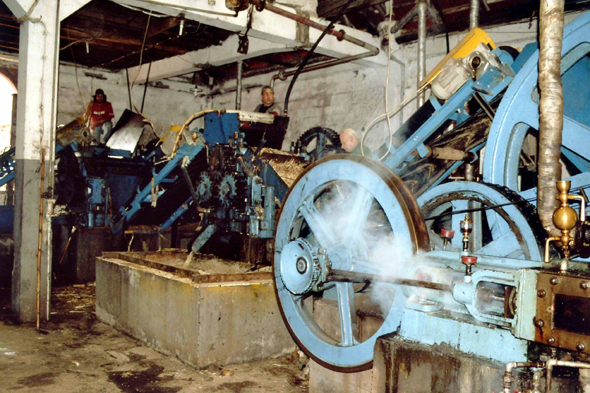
column 75, row 352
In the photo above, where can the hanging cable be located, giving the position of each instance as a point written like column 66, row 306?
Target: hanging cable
column 313, row 48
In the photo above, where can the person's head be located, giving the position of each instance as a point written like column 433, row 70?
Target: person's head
column 99, row 96
column 267, row 95
column 348, row 139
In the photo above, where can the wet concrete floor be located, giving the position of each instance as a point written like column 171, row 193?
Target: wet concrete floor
column 75, row 352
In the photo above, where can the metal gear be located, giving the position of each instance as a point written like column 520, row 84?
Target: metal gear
column 319, row 142
column 204, row 187
column 226, row 190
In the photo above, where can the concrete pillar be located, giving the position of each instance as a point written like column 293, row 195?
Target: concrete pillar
column 35, row 143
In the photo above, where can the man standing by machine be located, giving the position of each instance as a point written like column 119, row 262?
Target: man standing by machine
column 350, row 143
column 100, row 112
column 268, row 102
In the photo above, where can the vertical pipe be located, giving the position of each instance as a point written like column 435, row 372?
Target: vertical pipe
column 421, row 47
column 129, row 89
column 10, row 185
column 239, row 87
column 147, row 81
column 474, row 14
column 550, row 109
column 402, row 71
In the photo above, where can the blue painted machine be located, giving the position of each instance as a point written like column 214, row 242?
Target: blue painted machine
column 464, row 263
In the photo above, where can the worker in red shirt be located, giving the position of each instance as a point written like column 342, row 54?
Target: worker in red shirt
column 100, row 112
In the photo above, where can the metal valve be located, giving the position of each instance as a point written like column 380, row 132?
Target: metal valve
column 447, row 236
column 565, row 218
column 469, row 261
column 466, row 227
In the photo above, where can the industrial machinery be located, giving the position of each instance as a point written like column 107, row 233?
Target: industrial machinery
column 467, row 262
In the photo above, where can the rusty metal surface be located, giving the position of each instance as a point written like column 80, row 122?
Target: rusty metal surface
column 550, row 285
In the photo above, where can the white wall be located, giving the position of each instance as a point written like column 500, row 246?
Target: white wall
column 351, row 96
column 163, row 106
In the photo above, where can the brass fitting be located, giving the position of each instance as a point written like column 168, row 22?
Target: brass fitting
column 466, row 228
column 565, row 218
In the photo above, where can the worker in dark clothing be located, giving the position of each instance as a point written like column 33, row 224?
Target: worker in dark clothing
column 268, row 102
column 100, row 112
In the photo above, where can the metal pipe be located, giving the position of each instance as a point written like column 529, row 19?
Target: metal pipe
column 340, row 35
column 402, row 67
column 239, row 85
column 421, row 48
column 550, row 110
column 474, row 14
column 283, row 75
column 508, row 376
column 129, row 89
column 348, row 276
column 10, row 185
column 561, row 363
column 147, row 81
column 537, row 381
column 407, row 18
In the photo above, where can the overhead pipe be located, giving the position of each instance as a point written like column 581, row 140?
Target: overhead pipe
column 561, row 363
column 550, row 110
column 283, row 75
column 474, row 14
column 421, row 48
column 239, row 85
column 407, row 18
column 340, row 35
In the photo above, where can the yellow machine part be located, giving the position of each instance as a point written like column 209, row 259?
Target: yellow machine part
column 462, row 49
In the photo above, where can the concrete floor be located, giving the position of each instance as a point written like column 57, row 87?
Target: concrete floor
column 76, row 353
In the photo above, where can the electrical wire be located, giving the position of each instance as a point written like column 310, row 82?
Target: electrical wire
column 310, row 52
column 386, row 86
column 82, row 100
column 388, row 114
column 393, row 112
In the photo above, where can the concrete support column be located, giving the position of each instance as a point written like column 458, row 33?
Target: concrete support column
column 35, row 144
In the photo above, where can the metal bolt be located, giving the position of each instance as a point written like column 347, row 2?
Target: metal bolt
column 584, row 285
column 554, row 281
column 551, row 340
column 322, row 251
column 541, row 293
column 540, row 323
column 301, row 265
column 580, row 347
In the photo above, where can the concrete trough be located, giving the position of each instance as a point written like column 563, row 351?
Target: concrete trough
column 205, row 312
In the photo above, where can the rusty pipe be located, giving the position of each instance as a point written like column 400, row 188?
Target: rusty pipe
column 283, row 75
column 508, row 375
column 550, row 110
column 340, row 35
column 561, row 363
column 407, row 18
